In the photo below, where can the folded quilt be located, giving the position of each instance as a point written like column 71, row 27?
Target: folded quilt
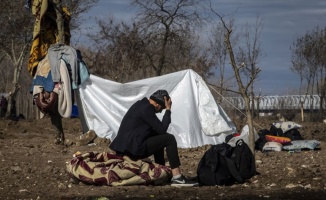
column 112, row 170
column 286, row 126
column 302, row 144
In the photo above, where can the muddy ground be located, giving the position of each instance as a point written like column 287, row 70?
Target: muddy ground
column 33, row 167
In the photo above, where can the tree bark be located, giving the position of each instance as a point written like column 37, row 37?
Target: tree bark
column 56, row 118
column 18, row 63
column 60, row 22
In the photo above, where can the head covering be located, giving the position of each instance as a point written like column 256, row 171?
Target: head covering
column 158, row 97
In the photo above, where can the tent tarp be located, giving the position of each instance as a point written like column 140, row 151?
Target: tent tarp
column 196, row 118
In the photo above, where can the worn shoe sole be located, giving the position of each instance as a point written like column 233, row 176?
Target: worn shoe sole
column 184, row 184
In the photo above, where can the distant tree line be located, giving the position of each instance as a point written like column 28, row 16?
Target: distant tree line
column 163, row 37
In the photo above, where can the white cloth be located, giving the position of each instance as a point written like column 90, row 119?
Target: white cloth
column 64, row 97
column 244, row 135
column 196, row 118
column 272, row 146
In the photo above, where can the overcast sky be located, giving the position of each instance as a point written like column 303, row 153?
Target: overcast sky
column 283, row 20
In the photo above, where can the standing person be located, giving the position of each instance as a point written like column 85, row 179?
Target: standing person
column 142, row 134
column 3, row 105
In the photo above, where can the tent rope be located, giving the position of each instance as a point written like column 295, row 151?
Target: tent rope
column 232, row 104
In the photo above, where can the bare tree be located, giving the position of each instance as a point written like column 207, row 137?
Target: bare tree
column 145, row 48
column 76, row 10
column 250, row 55
column 15, row 37
column 118, row 51
column 298, row 64
column 239, row 72
column 309, row 61
column 164, row 23
column 220, row 54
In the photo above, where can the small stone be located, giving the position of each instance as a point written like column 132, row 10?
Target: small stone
column 273, row 185
column 62, row 186
column 68, row 142
column 16, row 168
column 86, row 138
column 23, row 190
column 291, row 185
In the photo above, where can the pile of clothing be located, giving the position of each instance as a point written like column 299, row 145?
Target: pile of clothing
column 283, row 136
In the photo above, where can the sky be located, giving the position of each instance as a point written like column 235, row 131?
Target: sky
column 284, row 21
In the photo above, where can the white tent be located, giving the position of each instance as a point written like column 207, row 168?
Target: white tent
column 196, row 118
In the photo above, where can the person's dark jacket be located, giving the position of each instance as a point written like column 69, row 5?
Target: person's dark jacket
column 139, row 123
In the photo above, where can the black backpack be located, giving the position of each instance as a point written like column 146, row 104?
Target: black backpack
column 293, row 134
column 276, row 131
column 261, row 141
column 223, row 164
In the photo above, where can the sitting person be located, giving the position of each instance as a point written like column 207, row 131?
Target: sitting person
column 142, row 134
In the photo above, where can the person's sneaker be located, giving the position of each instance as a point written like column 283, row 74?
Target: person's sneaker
column 183, row 182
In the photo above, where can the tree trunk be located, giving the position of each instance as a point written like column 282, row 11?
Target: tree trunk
column 252, row 100
column 18, row 63
column 56, row 118
column 59, row 20
column 250, row 123
column 242, row 89
column 302, row 112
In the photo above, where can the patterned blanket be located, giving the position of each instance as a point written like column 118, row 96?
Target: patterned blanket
column 109, row 169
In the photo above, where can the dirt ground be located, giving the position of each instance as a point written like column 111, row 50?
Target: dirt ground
column 33, row 167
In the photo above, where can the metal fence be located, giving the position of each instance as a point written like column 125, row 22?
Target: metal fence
column 310, row 102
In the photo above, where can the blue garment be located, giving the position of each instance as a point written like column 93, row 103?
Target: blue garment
column 46, row 82
column 74, row 111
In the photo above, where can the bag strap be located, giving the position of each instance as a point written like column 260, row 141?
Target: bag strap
column 233, row 170
column 211, row 158
column 232, row 164
column 234, row 156
column 239, row 142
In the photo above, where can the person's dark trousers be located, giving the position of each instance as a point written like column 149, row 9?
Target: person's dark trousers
column 155, row 146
